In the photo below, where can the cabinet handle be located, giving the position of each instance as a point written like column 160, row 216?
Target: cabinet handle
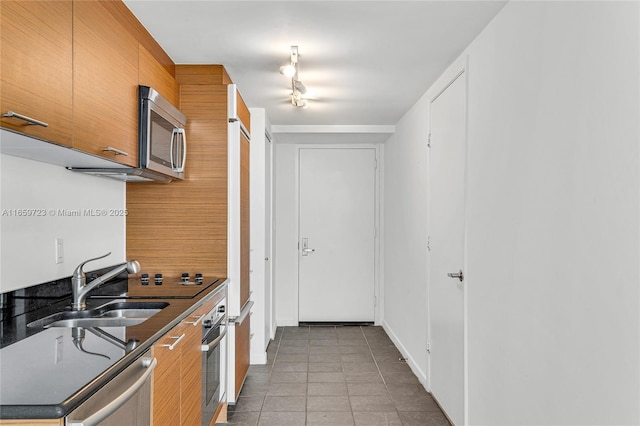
column 172, row 346
column 115, row 151
column 30, row 121
column 194, row 323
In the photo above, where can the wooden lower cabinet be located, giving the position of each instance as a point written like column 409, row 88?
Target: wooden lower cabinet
column 191, row 377
column 242, row 360
column 166, row 379
column 177, row 379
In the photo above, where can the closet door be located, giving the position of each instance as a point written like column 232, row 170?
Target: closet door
column 446, row 276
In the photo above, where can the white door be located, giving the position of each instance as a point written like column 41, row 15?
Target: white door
column 336, row 255
column 446, row 293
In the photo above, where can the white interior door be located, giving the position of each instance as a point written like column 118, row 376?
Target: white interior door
column 336, row 255
column 446, row 293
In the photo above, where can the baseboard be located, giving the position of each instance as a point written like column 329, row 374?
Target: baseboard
column 258, row 358
column 422, row 377
column 333, row 323
column 287, row 323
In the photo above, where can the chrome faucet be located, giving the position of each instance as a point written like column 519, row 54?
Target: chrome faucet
column 79, row 284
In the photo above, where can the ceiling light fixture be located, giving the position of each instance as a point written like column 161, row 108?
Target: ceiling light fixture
column 298, row 89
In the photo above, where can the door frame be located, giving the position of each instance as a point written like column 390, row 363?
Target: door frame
column 269, row 142
column 455, row 70
column 377, row 220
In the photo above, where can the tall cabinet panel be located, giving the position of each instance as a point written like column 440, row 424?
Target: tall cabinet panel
column 245, row 248
column 240, row 304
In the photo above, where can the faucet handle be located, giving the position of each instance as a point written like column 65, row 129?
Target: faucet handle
column 79, row 272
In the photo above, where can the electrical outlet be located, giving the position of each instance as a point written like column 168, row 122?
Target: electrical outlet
column 59, row 250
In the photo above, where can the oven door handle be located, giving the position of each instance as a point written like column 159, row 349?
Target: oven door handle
column 207, row 348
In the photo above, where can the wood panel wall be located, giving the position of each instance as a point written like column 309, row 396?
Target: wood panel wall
column 182, row 226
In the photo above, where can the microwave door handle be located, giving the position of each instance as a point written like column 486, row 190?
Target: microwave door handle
column 171, row 155
column 174, row 166
column 184, row 150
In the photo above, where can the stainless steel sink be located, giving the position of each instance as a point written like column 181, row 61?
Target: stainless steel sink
column 114, row 314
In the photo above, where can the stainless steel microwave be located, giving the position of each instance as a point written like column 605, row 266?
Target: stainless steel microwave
column 162, row 143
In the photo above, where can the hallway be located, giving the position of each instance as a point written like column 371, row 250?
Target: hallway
column 334, row 376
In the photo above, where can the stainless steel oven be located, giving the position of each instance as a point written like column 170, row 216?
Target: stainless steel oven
column 214, row 359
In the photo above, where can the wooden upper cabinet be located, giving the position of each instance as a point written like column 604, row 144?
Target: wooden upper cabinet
column 105, row 92
column 153, row 74
column 243, row 112
column 36, row 45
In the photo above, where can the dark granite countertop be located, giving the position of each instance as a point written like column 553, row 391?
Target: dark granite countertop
column 44, row 375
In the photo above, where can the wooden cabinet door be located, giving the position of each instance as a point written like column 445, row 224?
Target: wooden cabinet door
column 243, row 352
column 191, row 368
column 177, row 389
column 105, row 93
column 151, row 73
column 36, row 45
column 166, row 379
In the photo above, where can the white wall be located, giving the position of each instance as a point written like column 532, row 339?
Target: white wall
column 285, row 235
column 552, row 218
column 405, row 237
column 261, row 310
column 28, row 243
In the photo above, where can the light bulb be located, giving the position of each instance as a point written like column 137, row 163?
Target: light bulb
column 288, row 70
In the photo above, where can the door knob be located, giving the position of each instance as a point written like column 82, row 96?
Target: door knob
column 458, row 275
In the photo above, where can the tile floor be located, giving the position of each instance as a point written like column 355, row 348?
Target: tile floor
column 333, row 376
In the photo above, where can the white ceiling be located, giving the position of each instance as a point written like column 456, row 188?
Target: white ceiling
column 363, row 62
